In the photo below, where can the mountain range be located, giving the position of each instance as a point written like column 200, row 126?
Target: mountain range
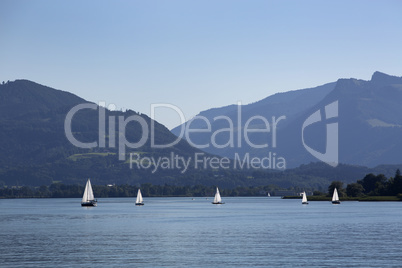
column 35, row 150
column 368, row 115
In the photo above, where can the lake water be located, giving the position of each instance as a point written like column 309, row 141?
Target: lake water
column 181, row 232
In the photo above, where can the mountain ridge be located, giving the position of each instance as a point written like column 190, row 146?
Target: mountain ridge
column 34, row 149
column 30, row 97
column 368, row 110
column 33, row 134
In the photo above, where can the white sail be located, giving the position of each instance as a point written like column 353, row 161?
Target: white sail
column 335, row 196
column 88, row 193
column 139, row 197
column 217, row 198
column 304, row 199
column 85, row 195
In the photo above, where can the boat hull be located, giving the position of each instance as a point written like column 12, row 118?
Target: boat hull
column 89, row 204
column 139, row 204
column 305, row 203
column 218, row 203
column 336, row 202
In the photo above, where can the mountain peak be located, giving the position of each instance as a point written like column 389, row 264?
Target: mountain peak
column 25, row 97
column 380, row 78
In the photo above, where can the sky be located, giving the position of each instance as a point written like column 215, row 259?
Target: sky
column 195, row 55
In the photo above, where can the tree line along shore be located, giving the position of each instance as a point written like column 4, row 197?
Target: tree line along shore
column 370, row 188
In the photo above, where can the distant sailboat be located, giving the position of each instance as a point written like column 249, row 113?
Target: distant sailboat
column 139, row 201
column 268, row 194
column 335, row 198
column 304, row 199
column 217, row 199
column 88, row 199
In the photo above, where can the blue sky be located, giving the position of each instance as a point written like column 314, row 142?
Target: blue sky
column 195, row 54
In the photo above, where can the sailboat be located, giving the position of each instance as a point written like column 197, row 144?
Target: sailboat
column 268, row 194
column 88, row 199
column 335, row 198
column 139, row 201
column 217, row 199
column 304, row 199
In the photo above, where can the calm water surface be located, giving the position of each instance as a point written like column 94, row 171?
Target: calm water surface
column 181, row 232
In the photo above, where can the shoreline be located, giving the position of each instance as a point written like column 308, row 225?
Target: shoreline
column 359, row 199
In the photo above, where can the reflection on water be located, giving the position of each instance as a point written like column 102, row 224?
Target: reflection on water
column 174, row 232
